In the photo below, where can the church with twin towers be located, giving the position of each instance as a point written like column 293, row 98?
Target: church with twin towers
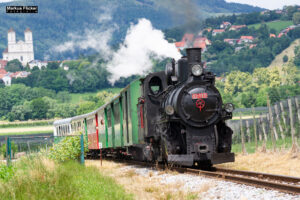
column 21, row 50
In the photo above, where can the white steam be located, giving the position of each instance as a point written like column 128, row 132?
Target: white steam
column 142, row 43
column 91, row 39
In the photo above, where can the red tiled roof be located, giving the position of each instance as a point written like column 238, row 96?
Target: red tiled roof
column 247, row 37
column 199, row 44
column 237, row 26
column 280, row 34
column 187, row 37
column 11, row 30
column 218, row 30
column 252, row 45
column 226, row 23
column 3, row 63
column 201, row 39
column 272, row 35
column 179, row 44
column 3, row 71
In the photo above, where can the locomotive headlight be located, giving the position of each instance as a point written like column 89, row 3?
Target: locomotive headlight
column 169, row 110
column 197, row 70
column 229, row 107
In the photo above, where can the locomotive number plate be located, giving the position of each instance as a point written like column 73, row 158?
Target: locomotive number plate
column 199, row 96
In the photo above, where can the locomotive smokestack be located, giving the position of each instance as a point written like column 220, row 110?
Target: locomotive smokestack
column 194, row 55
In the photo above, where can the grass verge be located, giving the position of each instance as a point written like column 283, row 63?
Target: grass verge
column 40, row 178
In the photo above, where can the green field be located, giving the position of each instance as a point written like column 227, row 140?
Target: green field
column 277, row 25
column 77, row 97
column 250, row 147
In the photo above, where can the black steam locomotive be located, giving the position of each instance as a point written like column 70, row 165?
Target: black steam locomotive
column 187, row 115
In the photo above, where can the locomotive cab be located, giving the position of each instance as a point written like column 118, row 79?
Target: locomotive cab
column 194, row 130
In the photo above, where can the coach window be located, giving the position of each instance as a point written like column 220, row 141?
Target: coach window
column 155, row 85
column 117, row 113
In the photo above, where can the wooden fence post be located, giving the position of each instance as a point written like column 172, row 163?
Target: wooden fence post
column 254, row 127
column 263, row 128
column 283, row 113
column 242, row 135
column 271, row 123
column 279, row 121
column 292, row 122
column 297, row 107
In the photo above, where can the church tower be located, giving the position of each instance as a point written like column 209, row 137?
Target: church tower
column 28, row 36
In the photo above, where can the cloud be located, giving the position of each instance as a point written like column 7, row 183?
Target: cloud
column 142, row 43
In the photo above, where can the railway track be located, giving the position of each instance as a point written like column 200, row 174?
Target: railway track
column 286, row 184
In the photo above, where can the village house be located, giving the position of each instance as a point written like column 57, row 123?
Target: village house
column 245, row 39
column 3, row 63
column 236, row 27
column 6, row 79
column 225, row 25
column 37, row 63
column 272, row 35
column 217, row 31
column 186, row 41
column 231, row 41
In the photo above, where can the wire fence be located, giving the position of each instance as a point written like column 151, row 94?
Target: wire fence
column 13, row 148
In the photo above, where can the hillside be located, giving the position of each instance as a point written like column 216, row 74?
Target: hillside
column 278, row 61
column 58, row 20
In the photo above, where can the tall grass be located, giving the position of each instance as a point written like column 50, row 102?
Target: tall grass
column 40, row 178
column 250, row 147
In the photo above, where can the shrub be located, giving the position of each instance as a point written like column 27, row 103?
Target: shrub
column 6, row 172
column 67, row 149
column 285, row 58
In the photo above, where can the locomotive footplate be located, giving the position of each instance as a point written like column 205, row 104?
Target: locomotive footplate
column 189, row 160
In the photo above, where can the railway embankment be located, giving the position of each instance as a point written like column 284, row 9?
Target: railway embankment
column 146, row 183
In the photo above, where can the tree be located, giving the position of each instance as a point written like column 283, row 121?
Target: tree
column 64, row 96
column 13, row 66
column 285, row 58
column 296, row 18
column 39, row 108
column 85, row 107
column 53, row 65
column 2, row 85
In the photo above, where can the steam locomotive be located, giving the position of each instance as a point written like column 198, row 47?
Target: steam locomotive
column 175, row 116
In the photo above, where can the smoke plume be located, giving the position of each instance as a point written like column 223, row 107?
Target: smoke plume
column 142, row 43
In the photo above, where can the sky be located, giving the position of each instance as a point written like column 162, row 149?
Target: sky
column 269, row 4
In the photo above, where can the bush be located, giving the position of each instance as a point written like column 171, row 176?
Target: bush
column 6, row 172
column 67, row 149
column 285, row 58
